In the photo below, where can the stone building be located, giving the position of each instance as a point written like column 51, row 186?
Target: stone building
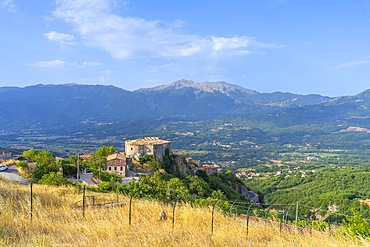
column 211, row 169
column 118, row 163
column 149, row 145
column 191, row 161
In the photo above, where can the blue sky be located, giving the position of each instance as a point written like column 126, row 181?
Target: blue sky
column 298, row 46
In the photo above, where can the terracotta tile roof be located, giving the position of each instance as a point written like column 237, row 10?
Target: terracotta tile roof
column 210, row 167
column 147, row 141
column 85, row 156
column 119, row 156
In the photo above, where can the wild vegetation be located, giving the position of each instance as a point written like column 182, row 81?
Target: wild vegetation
column 56, row 222
column 314, row 181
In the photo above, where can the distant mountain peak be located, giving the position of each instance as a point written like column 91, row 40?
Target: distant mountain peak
column 222, row 87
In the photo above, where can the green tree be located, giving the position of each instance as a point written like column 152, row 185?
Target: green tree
column 202, row 174
column 199, row 187
column 169, row 164
column 146, row 158
column 53, row 178
column 150, row 187
column 97, row 164
column 218, row 195
column 104, row 151
column 106, row 186
column 178, row 190
column 130, row 189
column 69, row 169
column 151, row 161
column 46, row 163
column 43, row 157
column 23, row 165
column 30, row 154
column 357, row 225
column 43, row 169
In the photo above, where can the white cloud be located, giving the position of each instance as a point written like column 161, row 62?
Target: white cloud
column 126, row 37
column 355, row 63
column 230, row 43
column 9, row 5
column 88, row 64
column 52, row 64
column 59, row 37
column 57, row 64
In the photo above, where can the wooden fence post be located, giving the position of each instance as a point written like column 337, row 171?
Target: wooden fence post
column 213, row 211
column 83, row 202
column 31, row 200
column 173, row 216
column 248, row 218
column 130, row 208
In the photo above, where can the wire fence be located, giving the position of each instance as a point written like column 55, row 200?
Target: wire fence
column 286, row 217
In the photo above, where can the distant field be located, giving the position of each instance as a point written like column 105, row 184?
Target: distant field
column 323, row 155
column 316, row 154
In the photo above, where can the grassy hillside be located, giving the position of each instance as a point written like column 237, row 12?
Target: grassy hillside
column 56, row 223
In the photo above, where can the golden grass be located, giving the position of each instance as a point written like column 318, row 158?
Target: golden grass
column 56, row 223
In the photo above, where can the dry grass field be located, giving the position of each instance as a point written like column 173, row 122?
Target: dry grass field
column 56, row 223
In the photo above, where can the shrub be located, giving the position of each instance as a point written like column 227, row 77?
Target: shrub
column 357, row 225
column 53, row 178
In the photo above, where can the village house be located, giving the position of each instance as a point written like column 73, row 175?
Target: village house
column 190, row 161
column 210, row 169
column 5, row 154
column 149, row 145
column 118, row 163
column 84, row 156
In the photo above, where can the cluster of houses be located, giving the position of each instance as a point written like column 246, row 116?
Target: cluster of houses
column 121, row 162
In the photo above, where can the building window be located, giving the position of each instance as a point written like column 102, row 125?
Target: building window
column 115, row 168
column 109, row 168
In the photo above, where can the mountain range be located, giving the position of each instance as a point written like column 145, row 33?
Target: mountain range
column 83, row 117
column 71, row 104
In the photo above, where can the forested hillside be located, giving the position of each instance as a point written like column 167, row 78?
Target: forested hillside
column 314, row 181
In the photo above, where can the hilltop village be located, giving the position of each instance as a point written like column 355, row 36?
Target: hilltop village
column 128, row 164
